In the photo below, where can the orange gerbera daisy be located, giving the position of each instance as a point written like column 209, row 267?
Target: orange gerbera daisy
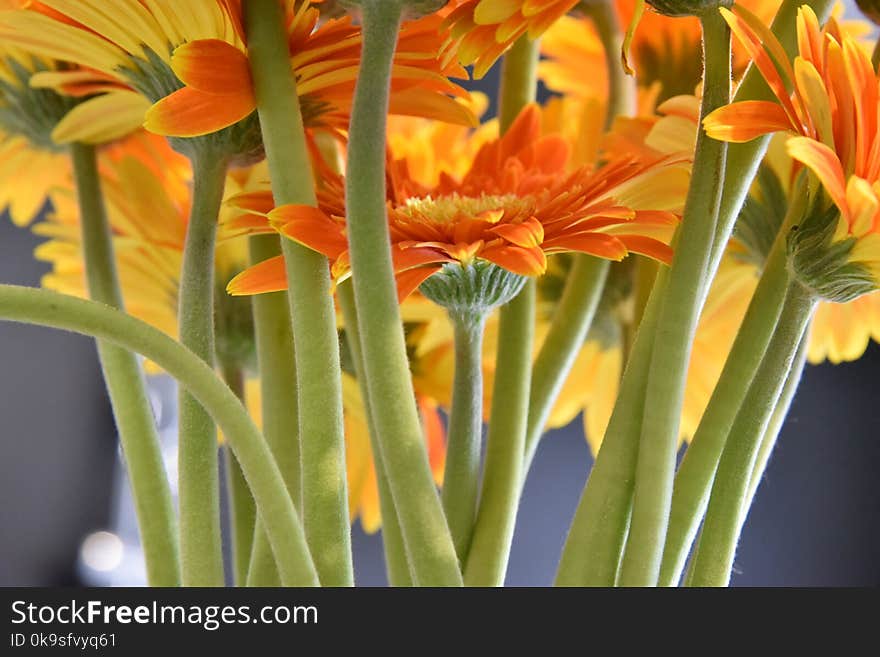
column 833, row 107
column 190, row 59
column 512, row 208
column 481, row 30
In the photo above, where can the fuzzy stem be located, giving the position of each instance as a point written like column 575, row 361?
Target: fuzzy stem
column 277, row 366
column 392, row 539
column 768, row 441
column 45, row 308
column 693, row 481
column 126, row 386
column 198, row 474
column 621, row 87
column 464, row 435
column 322, row 448
column 242, row 512
column 505, row 446
column 429, row 545
column 713, row 558
column 591, row 554
column 571, row 323
column 667, row 374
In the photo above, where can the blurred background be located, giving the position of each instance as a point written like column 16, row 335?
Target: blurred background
column 64, row 518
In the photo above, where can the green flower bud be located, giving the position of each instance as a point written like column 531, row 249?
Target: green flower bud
column 687, row 7
column 822, row 264
column 470, row 292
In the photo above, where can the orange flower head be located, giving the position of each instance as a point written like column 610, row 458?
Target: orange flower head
column 514, row 206
column 833, row 111
column 186, row 64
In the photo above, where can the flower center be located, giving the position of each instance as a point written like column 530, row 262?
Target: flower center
column 448, row 209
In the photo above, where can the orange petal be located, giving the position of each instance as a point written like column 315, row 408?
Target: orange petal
column 597, row 244
column 647, row 246
column 310, row 227
column 824, row 163
column 191, row 113
column 526, row 234
column 266, row 276
column 212, row 66
column 746, row 120
column 409, row 280
column 516, row 259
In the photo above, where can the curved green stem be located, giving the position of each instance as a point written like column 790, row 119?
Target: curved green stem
column 768, row 441
column 277, row 366
column 427, row 538
column 322, row 448
column 22, row 304
column 677, row 323
column 571, row 323
column 392, row 539
column 464, row 434
column 242, row 512
column 591, row 554
column 126, row 386
column 198, row 474
column 505, row 445
column 693, row 481
column 715, row 551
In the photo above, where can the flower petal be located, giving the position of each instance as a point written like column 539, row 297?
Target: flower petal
column 189, row 112
column 266, row 276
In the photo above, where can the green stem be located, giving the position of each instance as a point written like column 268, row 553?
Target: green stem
column 694, row 478
column 198, row 474
column 592, row 549
column 322, row 448
column 392, row 539
column 45, row 308
column 277, row 366
column 667, row 374
column 126, row 386
column 427, row 538
column 743, row 160
column 242, row 512
column 505, row 445
column 464, row 434
column 717, row 545
column 768, row 441
column 568, row 331
column 519, row 80
column 621, row 87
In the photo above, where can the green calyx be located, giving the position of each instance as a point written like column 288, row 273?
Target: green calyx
column 469, row 292
column 241, row 143
column 30, row 112
column 676, row 8
column 823, row 265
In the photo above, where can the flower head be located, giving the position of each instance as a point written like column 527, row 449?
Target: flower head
column 514, row 206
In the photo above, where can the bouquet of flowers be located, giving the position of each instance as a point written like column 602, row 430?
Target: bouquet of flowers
column 297, row 210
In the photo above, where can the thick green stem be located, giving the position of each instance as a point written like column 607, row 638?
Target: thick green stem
column 595, row 540
column 571, row 323
column 667, row 374
column 45, row 308
column 277, row 366
column 499, row 502
column 242, row 512
column 392, row 539
column 198, row 474
column 461, row 477
column 519, row 80
column 322, row 445
column 505, row 445
column 768, row 441
column 693, row 481
column 126, row 386
column 715, row 551
column 428, row 542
